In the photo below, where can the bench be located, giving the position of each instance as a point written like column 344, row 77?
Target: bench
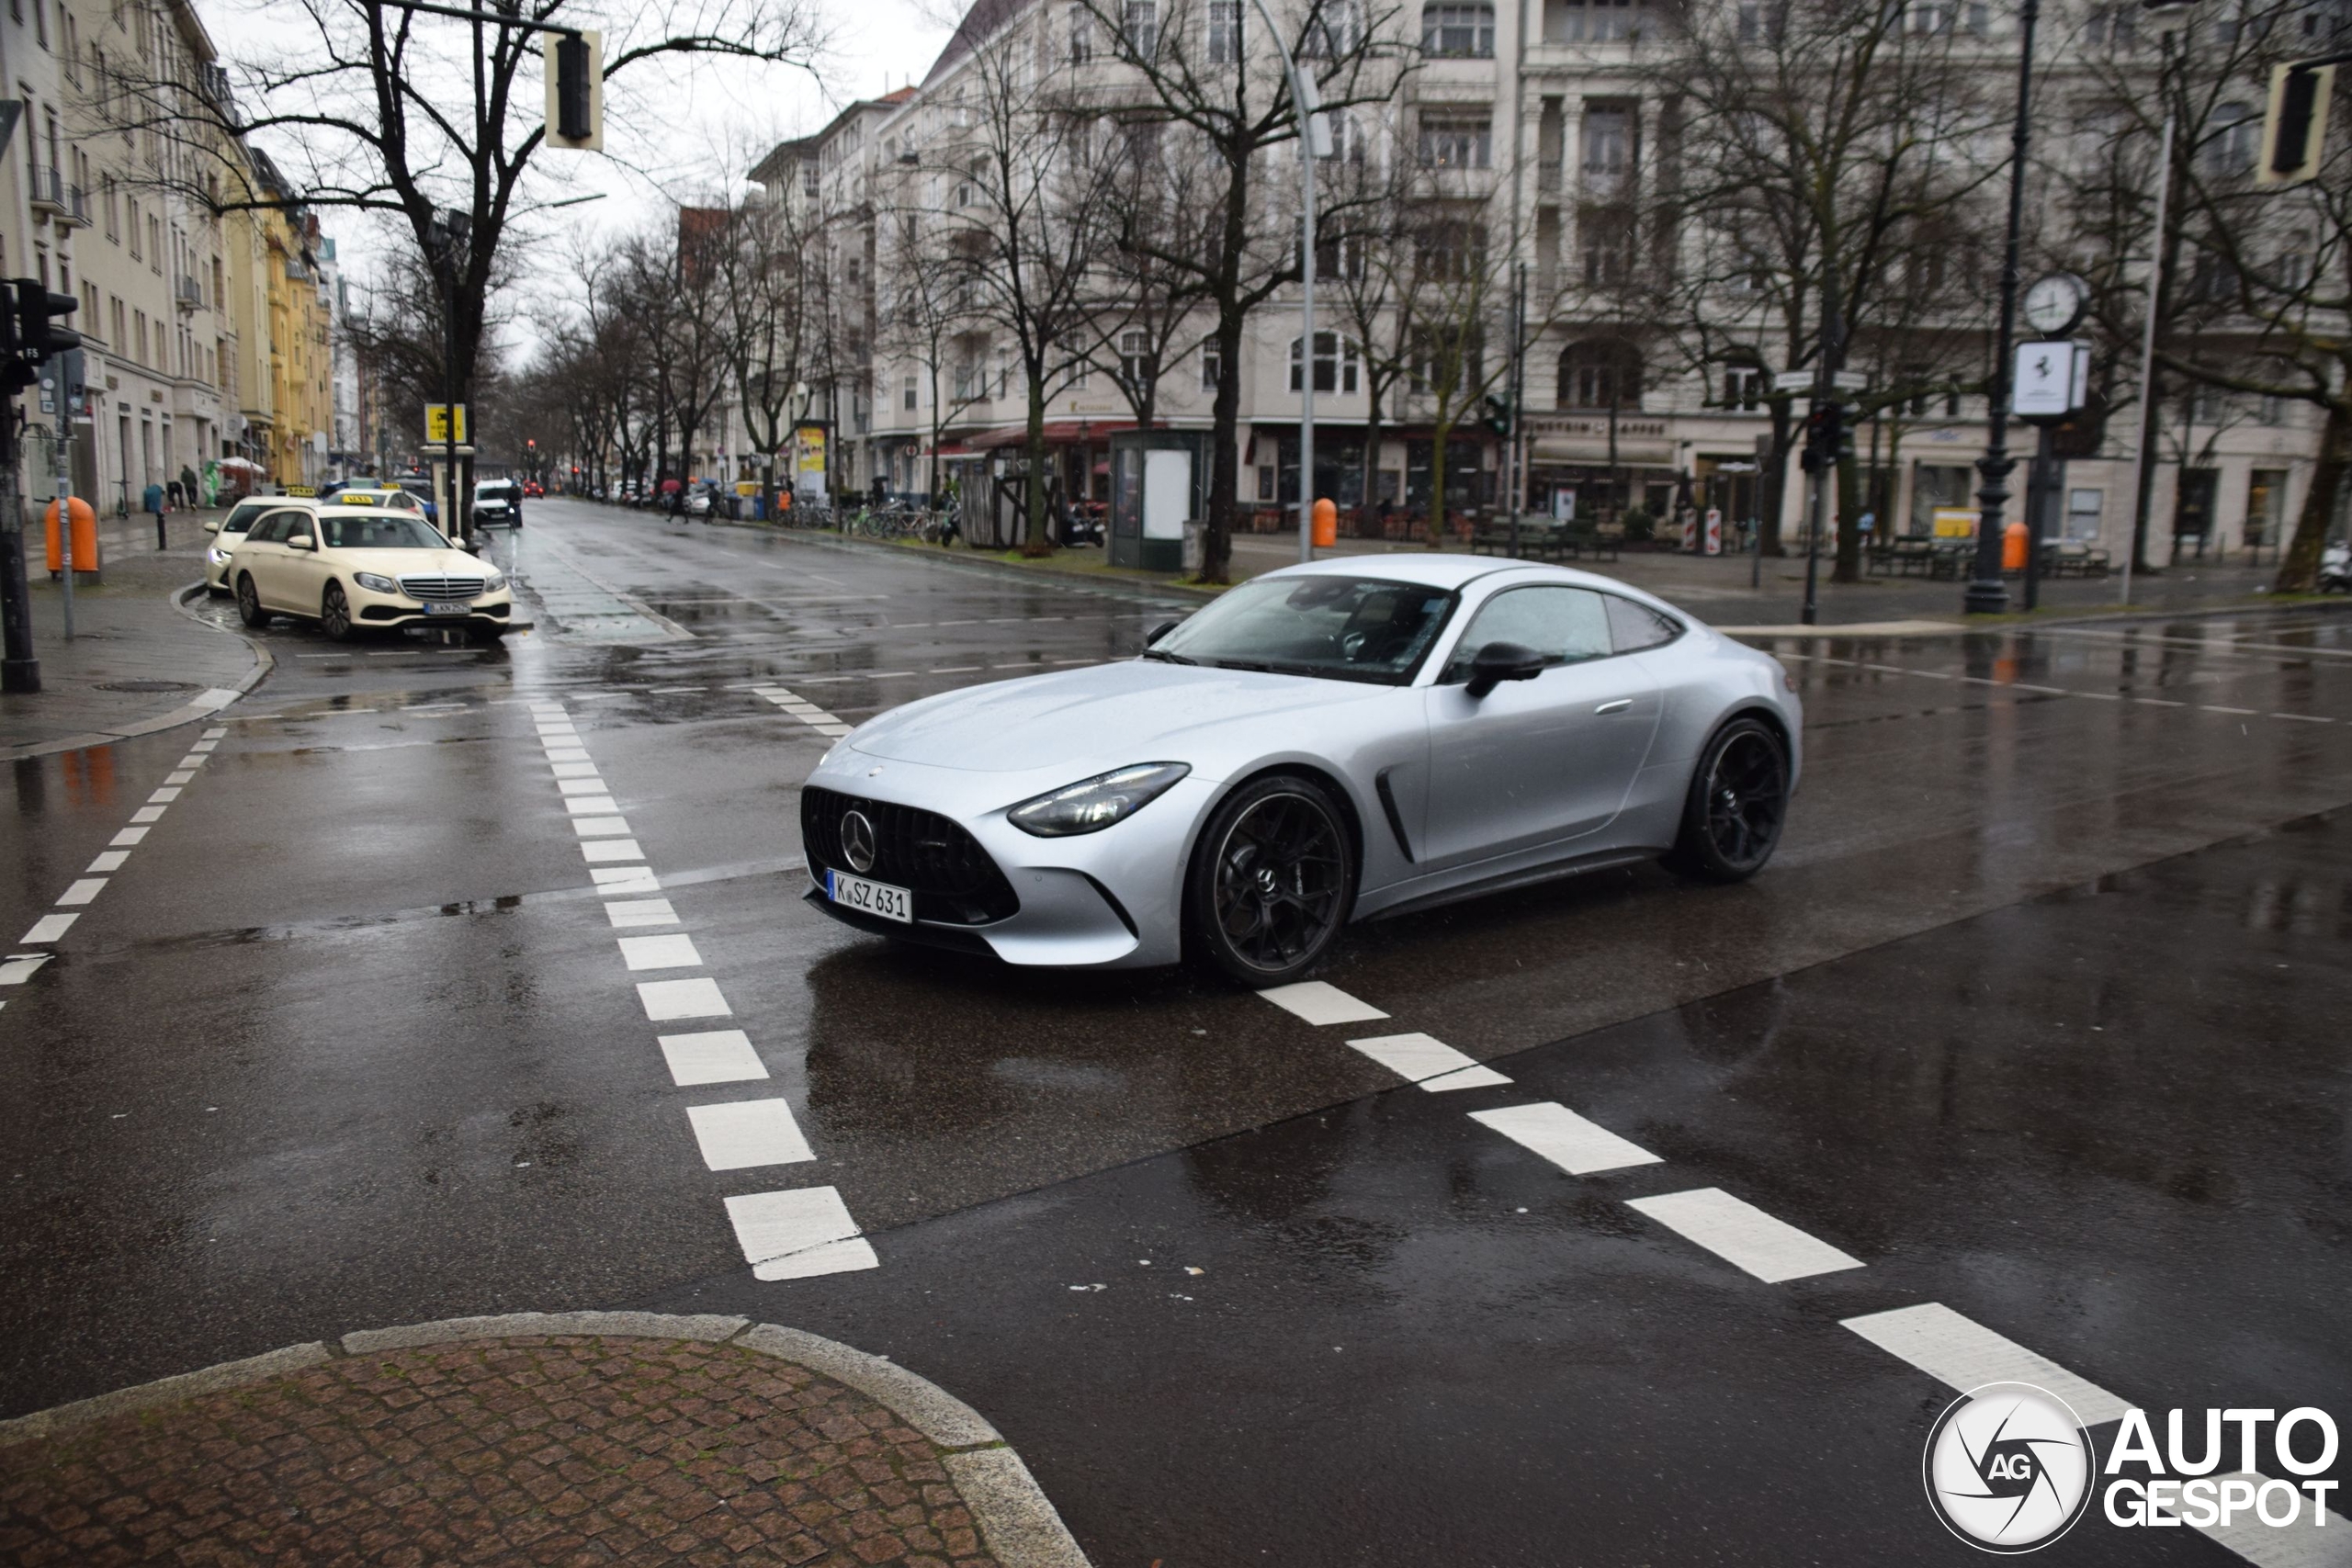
column 2071, row 560
column 1539, row 538
column 1907, row 557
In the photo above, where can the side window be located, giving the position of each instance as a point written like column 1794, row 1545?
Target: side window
column 241, row 519
column 270, row 530
column 1632, row 627
column 1565, row 624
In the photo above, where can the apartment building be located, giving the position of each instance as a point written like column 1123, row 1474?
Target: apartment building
column 1549, row 105
column 206, row 333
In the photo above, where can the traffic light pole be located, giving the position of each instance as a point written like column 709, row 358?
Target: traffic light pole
column 20, row 669
column 67, row 368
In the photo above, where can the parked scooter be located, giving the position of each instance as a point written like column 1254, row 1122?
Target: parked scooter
column 2335, row 569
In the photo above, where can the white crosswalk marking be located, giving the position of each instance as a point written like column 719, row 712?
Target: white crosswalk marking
column 799, row 1232
column 1568, row 1140
column 1428, row 1062
column 1964, row 1354
column 1320, row 1003
column 742, row 1135
column 711, row 1055
column 1744, row 1235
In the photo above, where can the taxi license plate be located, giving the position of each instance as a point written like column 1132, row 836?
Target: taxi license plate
column 448, row 609
column 870, row 897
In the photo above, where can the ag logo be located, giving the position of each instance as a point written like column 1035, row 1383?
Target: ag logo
column 2008, row 1468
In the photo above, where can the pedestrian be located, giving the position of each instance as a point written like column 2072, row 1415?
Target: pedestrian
column 171, row 495
column 189, row 486
column 155, row 505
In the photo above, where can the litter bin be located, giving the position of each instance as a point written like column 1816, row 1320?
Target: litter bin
column 2013, row 548
column 85, row 541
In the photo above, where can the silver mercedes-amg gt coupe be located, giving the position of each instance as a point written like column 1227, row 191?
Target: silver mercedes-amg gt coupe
column 1323, row 744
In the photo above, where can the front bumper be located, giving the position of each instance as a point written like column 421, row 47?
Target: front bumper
column 1113, row 899
column 396, row 611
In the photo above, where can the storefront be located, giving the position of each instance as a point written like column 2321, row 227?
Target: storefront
column 1588, row 466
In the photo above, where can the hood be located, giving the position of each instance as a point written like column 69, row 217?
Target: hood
column 398, row 564
column 1111, row 714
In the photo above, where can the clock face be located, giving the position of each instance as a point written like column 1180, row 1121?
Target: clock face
column 2053, row 303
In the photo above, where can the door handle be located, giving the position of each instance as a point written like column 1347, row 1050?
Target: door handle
column 1620, row 706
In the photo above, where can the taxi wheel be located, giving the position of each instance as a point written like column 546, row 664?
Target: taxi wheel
column 249, row 608
column 335, row 614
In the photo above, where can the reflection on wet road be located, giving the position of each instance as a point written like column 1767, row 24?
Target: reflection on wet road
column 2034, row 1019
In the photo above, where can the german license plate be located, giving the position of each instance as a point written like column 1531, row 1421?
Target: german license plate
column 448, row 609
column 870, row 897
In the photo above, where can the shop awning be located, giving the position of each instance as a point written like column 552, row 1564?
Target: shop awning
column 1058, row 433
column 1595, row 454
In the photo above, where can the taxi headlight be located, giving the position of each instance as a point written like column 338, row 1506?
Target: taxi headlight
column 1092, row 805
column 216, row 555
column 375, row 582
column 494, row 582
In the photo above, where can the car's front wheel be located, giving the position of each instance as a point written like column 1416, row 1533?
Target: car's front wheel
column 335, row 614
column 1272, row 881
column 249, row 608
column 1738, row 801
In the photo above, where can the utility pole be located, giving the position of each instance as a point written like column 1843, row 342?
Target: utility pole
column 1986, row 593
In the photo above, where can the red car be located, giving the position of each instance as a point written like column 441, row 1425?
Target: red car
column 533, row 489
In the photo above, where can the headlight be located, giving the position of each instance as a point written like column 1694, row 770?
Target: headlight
column 375, row 582
column 216, row 555
column 494, row 582
column 1092, row 805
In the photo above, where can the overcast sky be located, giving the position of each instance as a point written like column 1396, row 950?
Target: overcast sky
column 685, row 131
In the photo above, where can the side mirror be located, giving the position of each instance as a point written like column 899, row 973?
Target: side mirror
column 213, row 526
column 1161, row 630
column 1500, row 662
column 301, row 541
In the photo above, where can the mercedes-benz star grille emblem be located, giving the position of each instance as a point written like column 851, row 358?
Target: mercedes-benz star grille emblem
column 857, row 841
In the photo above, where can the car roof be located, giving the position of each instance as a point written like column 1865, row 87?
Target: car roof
column 312, row 501
column 1428, row 569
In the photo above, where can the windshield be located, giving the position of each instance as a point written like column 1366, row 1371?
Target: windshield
column 1341, row 628
column 240, row 520
column 380, row 531
column 498, row 492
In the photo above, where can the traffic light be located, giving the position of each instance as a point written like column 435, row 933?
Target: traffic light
column 38, row 334
column 1499, row 415
column 2294, row 132
column 1827, row 441
column 576, row 92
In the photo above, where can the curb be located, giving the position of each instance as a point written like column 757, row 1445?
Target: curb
column 1019, row 1523
column 203, row 706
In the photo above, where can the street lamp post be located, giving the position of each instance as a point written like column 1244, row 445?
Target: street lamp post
column 1312, row 136
column 1986, row 593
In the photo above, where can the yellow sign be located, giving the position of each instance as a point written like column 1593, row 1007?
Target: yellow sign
column 436, row 424
column 812, row 448
column 1955, row 523
column 302, row 489
column 353, row 497
column 747, row 487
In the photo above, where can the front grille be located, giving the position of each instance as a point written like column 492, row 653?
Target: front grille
column 951, row 878
column 441, row 587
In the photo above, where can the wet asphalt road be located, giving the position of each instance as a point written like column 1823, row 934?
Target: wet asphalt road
column 2038, row 1014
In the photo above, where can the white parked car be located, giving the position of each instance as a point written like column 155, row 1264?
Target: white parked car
column 230, row 532
column 352, row 567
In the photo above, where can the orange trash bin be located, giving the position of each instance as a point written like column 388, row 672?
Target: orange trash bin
column 1327, row 523
column 86, row 537
column 2013, row 548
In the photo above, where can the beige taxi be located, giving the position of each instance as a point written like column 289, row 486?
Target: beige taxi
column 351, row 565
column 229, row 531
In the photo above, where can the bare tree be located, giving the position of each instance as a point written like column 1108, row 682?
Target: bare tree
column 1187, row 64
column 764, row 275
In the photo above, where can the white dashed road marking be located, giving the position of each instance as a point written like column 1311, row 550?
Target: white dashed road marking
column 1744, row 1235
column 1428, row 1062
column 744, row 1135
column 50, row 928
column 676, row 951
column 1956, row 1351
column 711, row 1055
column 668, row 1000
column 796, row 1234
column 18, row 967
column 624, row 912
column 1568, row 1140
column 1319, row 1003
column 82, row 892
column 611, row 850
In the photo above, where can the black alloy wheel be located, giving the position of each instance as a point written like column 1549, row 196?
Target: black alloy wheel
column 1272, row 881
column 249, row 608
column 1738, row 803
column 335, row 614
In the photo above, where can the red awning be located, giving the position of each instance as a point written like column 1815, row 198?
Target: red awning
column 1058, row 433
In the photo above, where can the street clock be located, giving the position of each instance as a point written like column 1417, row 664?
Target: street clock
column 2056, row 303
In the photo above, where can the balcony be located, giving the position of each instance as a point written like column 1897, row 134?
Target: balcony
column 1547, row 176
column 188, row 293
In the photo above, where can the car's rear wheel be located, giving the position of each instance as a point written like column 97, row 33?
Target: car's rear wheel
column 1738, row 803
column 334, row 613
column 1272, row 881
column 249, row 608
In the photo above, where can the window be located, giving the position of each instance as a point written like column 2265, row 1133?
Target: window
column 1567, row 626
column 1338, row 366
column 1212, row 368
column 1613, row 21
column 1607, row 234
column 1450, row 250
column 1136, row 363
column 1632, row 627
column 1743, row 387
column 1347, row 139
column 1225, row 31
column 910, row 392
column 138, row 331
column 1607, row 150
column 964, row 390
column 1943, row 17
column 1334, row 31
column 1457, row 142
column 1139, row 28
column 40, row 23
column 1081, row 35
column 2111, row 27
column 1601, row 373
column 1461, row 32
column 2083, row 510
column 134, row 228
column 2230, row 146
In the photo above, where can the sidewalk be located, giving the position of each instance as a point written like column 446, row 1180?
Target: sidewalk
column 603, row 1437
column 136, row 662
